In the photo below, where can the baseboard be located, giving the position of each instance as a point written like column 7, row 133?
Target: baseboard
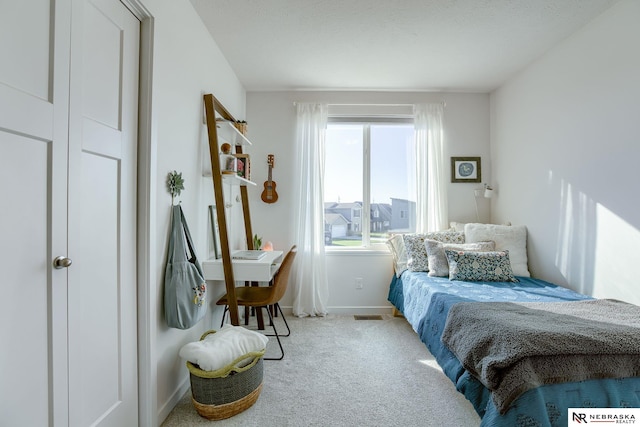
column 360, row 310
column 171, row 403
column 348, row 310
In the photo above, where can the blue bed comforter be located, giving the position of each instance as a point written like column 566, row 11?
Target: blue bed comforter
column 425, row 302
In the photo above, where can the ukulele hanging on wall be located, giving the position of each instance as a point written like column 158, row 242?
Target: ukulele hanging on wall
column 269, row 194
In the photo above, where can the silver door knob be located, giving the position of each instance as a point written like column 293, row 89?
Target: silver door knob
column 61, row 262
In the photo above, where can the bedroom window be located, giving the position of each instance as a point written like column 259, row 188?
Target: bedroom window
column 369, row 181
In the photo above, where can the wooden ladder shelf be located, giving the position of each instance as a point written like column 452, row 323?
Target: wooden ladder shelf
column 211, row 107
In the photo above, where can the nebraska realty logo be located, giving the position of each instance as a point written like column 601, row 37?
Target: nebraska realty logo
column 582, row 416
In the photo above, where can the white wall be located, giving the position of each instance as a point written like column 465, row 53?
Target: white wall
column 570, row 181
column 186, row 64
column 272, row 126
column 565, row 144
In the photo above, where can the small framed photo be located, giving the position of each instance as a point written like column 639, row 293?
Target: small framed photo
column 244, row 166
column 466, row 169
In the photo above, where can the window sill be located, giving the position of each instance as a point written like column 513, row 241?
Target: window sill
column 330, row 251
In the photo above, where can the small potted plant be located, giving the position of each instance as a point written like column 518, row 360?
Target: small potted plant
column 257, row 242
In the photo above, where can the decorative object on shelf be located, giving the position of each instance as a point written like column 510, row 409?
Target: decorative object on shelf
column 466, row 169
column 215, row 233
column 228, row 162
column 241, row 126
column 269, row 194
column 228, row 131
column 257, row 242
column 268, row 246
column 243, row 166
column 175, row 184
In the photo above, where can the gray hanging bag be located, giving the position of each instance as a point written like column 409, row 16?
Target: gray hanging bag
column 184, row 285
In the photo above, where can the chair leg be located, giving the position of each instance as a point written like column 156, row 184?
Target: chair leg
column 224, row 314
column 276, row 309
column 277, row 338
column 277, row 305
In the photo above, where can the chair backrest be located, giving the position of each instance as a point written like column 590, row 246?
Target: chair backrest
column 281, row 278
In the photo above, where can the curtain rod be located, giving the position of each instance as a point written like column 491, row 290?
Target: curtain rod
column 371, row 105
column 444, row 104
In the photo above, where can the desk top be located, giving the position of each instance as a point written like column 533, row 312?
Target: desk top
column 261, row 270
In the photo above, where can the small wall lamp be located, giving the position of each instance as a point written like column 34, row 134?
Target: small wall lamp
column 488, row 191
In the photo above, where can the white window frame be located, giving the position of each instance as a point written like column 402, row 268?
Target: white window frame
column 365, row 219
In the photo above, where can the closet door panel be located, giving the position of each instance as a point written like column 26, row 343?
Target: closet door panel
column 34, row 91
column 25, row 29
column 24, row 306
column 102, row 215
column 26, row 71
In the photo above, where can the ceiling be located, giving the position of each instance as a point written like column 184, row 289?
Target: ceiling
column 400, row 45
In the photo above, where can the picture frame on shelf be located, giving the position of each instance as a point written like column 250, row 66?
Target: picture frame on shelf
column 243, row 166
column 466, row 169
column 214, row 248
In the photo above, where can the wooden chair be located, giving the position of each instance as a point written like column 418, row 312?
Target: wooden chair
column 260, row 297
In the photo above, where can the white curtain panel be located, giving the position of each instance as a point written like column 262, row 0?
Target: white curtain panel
column 431, row 200
column 311, row 289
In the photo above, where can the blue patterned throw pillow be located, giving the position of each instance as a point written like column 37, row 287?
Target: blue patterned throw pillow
column 491, row 266
column 416, row 251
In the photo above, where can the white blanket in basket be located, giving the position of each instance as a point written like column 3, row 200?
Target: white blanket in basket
column 220, row 349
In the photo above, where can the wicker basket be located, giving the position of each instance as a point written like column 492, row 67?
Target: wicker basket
column 225, row 392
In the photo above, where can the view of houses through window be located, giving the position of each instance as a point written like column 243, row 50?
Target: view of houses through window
column 369, row 182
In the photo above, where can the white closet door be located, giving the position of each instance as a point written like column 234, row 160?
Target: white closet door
column 102, row 215
column 68, row 126
column 33, row 220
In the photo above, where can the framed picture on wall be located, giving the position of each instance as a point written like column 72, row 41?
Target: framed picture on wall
column 466, row 169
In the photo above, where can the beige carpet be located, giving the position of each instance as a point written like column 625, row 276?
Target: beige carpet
column 339, row 371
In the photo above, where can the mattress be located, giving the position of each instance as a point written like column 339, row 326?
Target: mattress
column 425, row 302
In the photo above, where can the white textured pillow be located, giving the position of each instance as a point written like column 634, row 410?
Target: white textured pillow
column 220, row 349
column 438, row 264
column 507, row 237
column 396, row 246
column 457, row 226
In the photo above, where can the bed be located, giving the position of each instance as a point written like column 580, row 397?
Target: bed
column 427, row 301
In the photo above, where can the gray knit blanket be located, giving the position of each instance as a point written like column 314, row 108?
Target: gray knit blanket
column 514, row 347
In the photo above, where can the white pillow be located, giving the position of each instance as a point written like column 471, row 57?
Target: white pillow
column 457, row 226
column 220, row 349
column 396, row 246
column 507, row 237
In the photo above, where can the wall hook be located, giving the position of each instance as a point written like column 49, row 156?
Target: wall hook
column 175, row 184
